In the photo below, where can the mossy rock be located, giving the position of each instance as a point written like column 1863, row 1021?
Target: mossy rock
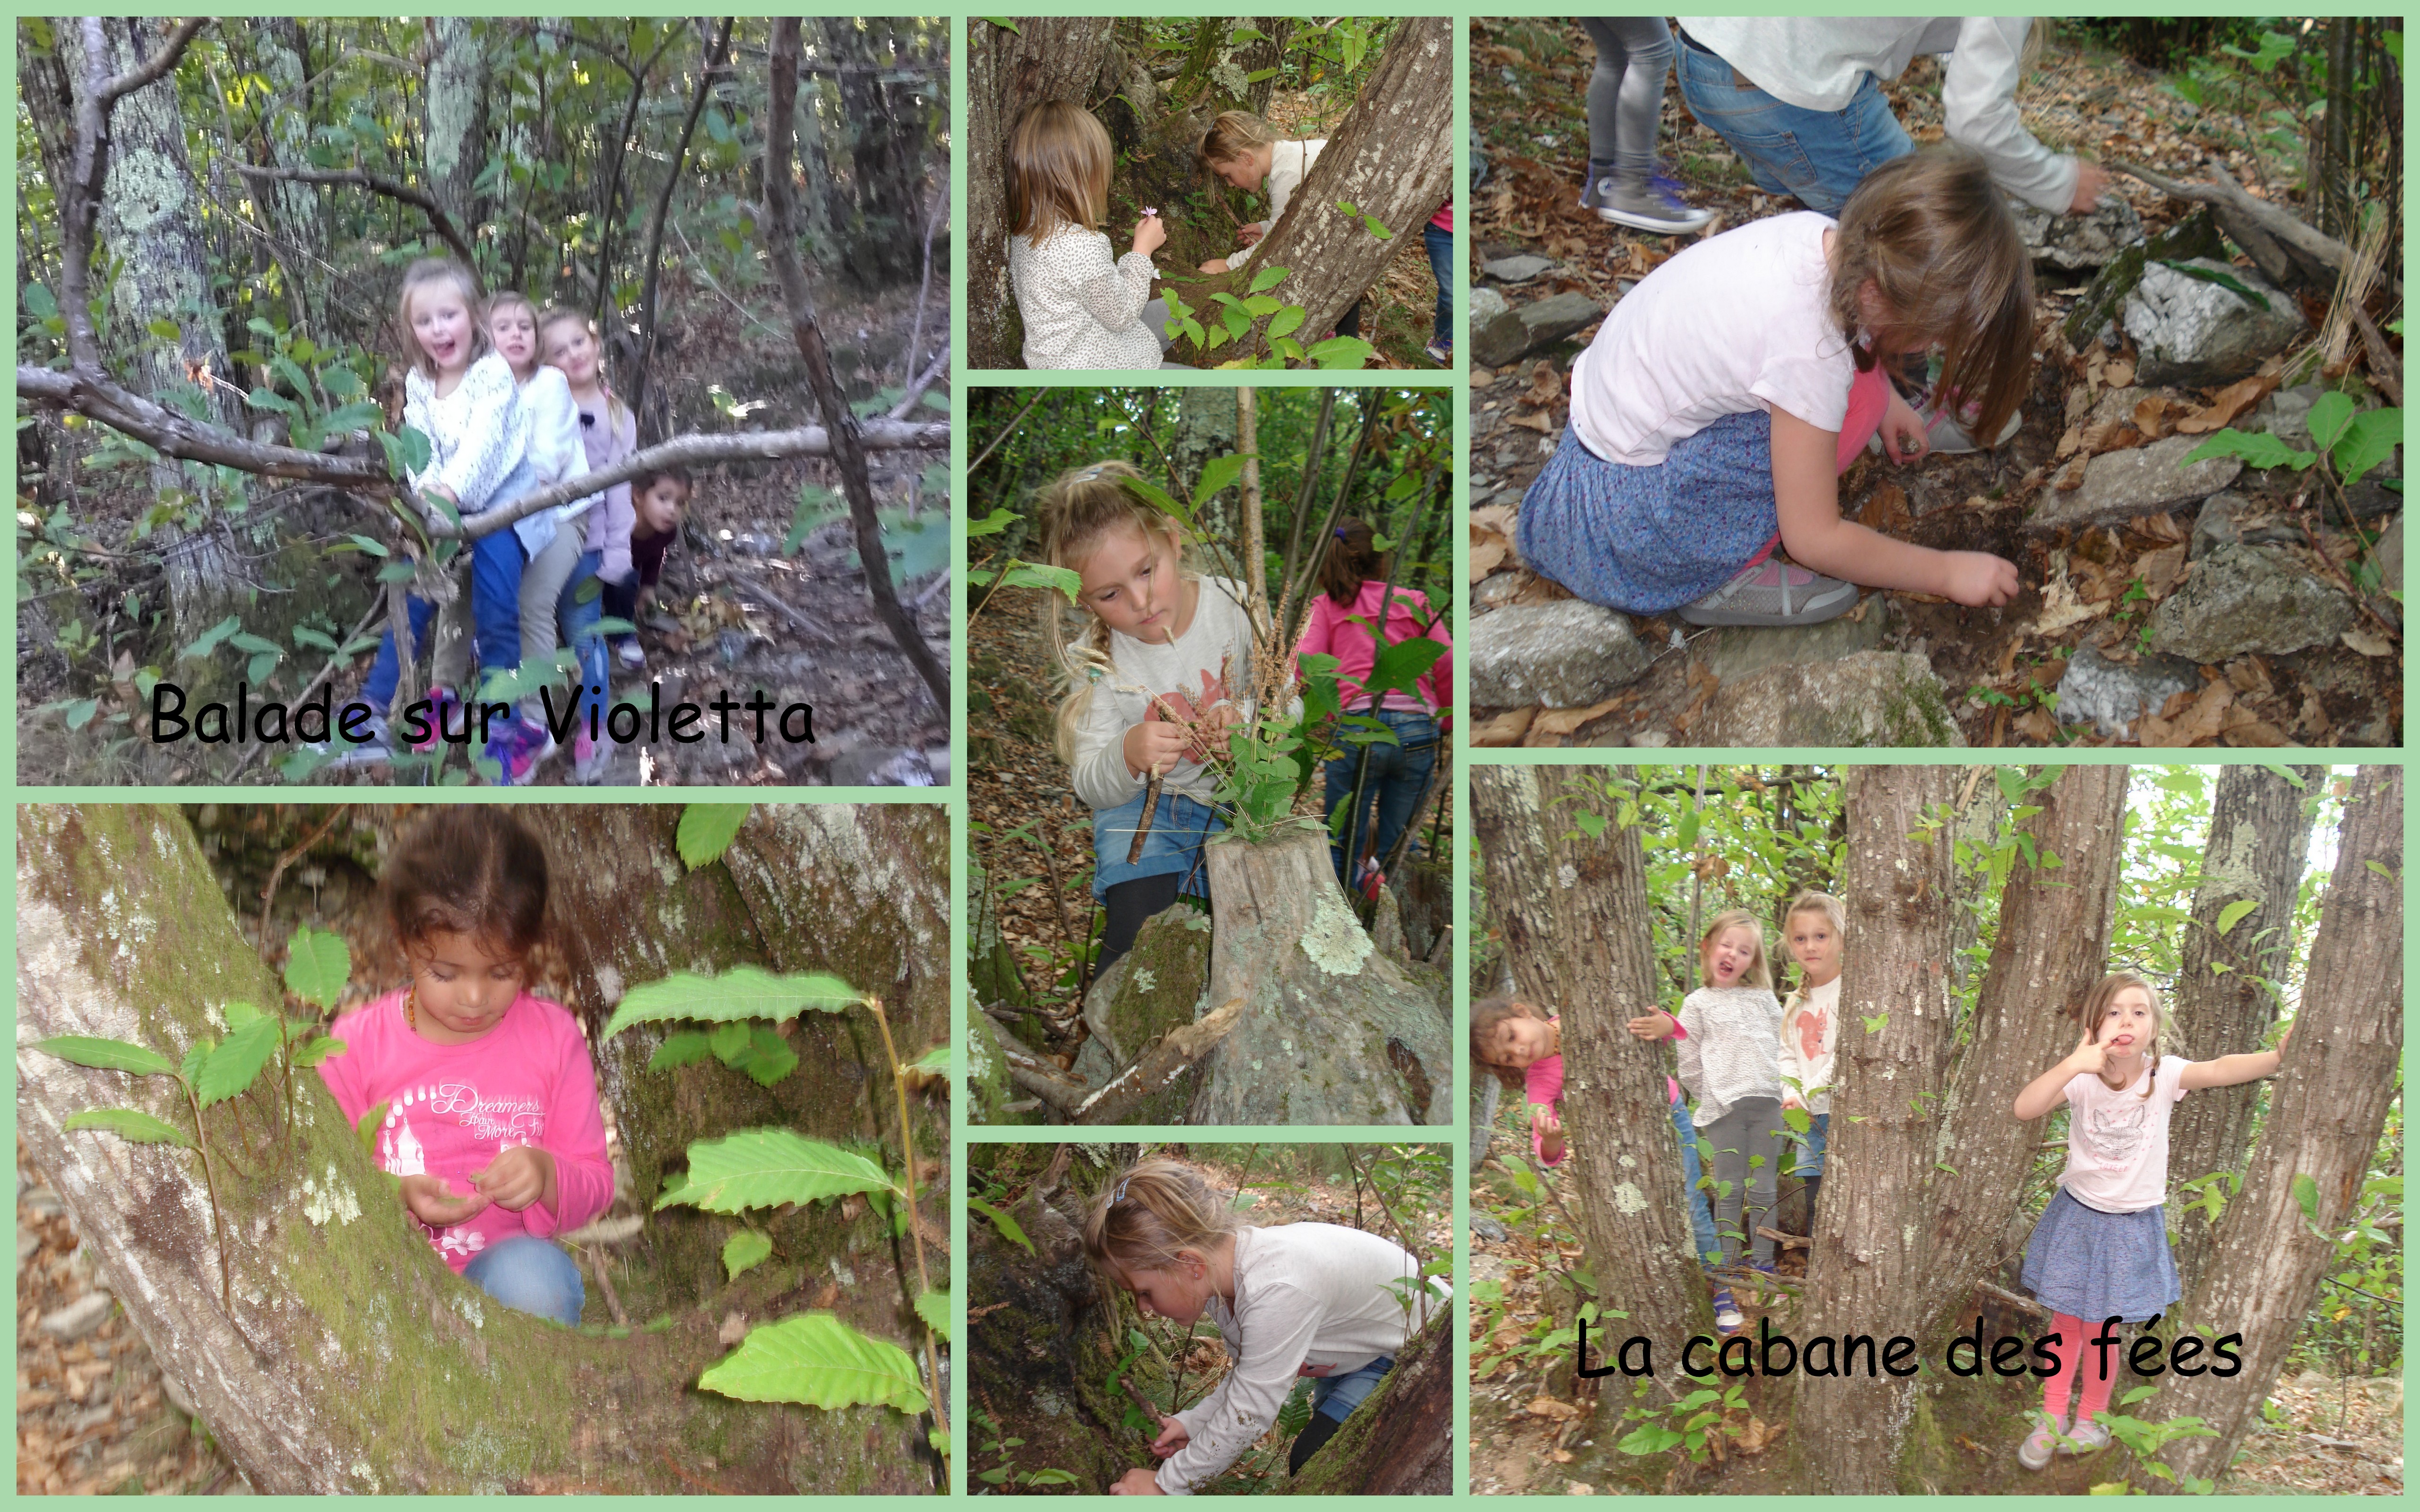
column 1156, row 986
column 2195, row 235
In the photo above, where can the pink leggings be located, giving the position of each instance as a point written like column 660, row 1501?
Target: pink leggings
column 2072, row 1351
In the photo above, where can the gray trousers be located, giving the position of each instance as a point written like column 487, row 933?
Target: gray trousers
column 1748, row 1156
column 1625, row 93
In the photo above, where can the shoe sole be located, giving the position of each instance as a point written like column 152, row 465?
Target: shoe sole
column 1690, row 615
column 1640, row 223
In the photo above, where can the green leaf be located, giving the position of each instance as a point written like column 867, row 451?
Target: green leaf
column 1006, row 1225
column 322, row 1048
column 2306, row 1192
column 317, row 966
column 817, row 1359
column 1341, row 352
column 933, row 1308
column 935, row 1062
column 2330, row 414
column 1003, row 23
column 1875, row 1024
column 1268, row 278
column 1402, row 665
column 1221, row 470
column 165, row 330
column 683, row 1049
column 237, row 1061
column 2370, row 441
column 766, row 1167
column 365, row 1128
column 131, row 1125
column 769, row 1057
column 706, row 830
column 2258, row 449
column 729, row 1043
column 992, row 524
column 208, row 639
column 1287, row 321
column 743, row 1251
column 2226, row 281
column 1153, row 491
column 39, row 302
column 107, row 1055
column 2233, row 912
column 741, row 993
column 1035, row 575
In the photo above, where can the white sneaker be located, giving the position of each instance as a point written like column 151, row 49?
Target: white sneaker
column 2034, row 1454
column 630, row 653
column 2084, row 1438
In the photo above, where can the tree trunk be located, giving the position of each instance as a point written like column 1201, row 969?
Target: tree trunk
column 2326, row 1108
column 283, row 62
column 1894, row 1034
column 1007, row 70
column 1331, row 1030
column 877, row 209
column 455, row 118
column 1399, row 1442
column 2227, row 985
column 1209, row 426
column 327, row 1374
column 1575, row 921
column 1392, row 158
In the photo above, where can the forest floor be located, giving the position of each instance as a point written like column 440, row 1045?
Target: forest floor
column 1533, row 1433
column 1999, row 668
column 736, row 608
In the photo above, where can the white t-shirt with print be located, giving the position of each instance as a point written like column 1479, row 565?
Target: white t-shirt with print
column 2118, row 1142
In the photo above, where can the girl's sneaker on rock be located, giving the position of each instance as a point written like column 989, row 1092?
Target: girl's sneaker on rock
column 587, row 760
column 1773, row 591
column 517, row 748
column 2084, row 1438
column 2034, row 1454
column 443, row 705
column 1441, row 352
column 1729, row 1320
column 1643, row 206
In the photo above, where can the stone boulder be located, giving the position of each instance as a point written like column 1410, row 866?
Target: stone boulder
column 1524, row 329
column 2197, row 332
column 2112, row 695
column 1874, row 698
column 2142, row 480
column 1153, row 988
column 2195, row 235
column 1565, row 656
column 2072, row 243
column 2241, row 599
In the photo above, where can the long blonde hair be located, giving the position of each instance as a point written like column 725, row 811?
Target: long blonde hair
column 1076, row 511
column 1233, row 134
column 616, row 410
column 1153, row 1209
column 1758, row 973
column 422, row 273
column 1059, row 159
column 2096, row 1003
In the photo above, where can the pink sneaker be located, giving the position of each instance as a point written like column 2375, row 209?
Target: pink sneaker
column 1773, row 591
column 445, row 704
column 587, row 760
column 517, row 748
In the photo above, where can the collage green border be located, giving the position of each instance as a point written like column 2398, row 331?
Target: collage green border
column 954, row 796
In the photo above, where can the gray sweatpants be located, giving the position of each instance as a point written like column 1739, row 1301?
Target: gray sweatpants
column 1748, row 1155
column 1625, row 93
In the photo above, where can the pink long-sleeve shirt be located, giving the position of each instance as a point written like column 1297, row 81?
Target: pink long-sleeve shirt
column 1543, row 1082
column 452, row 1109
column 1330, row 631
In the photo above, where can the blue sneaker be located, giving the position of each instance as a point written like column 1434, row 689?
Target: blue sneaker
column 1729, row 1320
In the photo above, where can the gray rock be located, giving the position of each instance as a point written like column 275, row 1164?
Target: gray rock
column 2113, row 696
column 1495, row 589
column 2144, row 480
column 79, row 1318
column 1565, row 656
column 2286, row 414
column 1735, row 650
column 1518, row 270
column 2074, row 242
column 2197, row 333
column 1874, row 698
column 2096, row 313
column 2390, row 556
column 1486, row 305
column 2231, row 519
column 1095, row 1063
column 1511, row 337
column 1483, row 1227
column 2245, row 598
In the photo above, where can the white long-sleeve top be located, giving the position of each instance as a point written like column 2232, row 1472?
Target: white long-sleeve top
column 1813, row 1074
column 556, row 451
column 1816, row 63
column 1289, row 164
column 1081, row 305
column 1732, row 1049
column 1220, row 641
column 1316, row 1294
column 477, row 436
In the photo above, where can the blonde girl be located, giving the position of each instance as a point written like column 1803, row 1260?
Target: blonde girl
column 1159, row 667
column 1082, row 305
column 461, row 395
column 1290, row 1300
column 1730, row 1062
column 1246, row 152
column 1810, row 1025
column 600, row 546
column 2101, row 1249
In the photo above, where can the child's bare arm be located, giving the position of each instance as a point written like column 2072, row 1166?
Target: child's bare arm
column 1654, row 1024
column 2232, row 1071
column 1806, row 495
column 2044, row 1091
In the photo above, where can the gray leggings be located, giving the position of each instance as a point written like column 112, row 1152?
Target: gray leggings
column 1625, row 95
column 1743, row 1186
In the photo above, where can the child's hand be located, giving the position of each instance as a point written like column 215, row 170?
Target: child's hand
column 1550, row 1132
column 1211, row 730
column 1151, row 234
column 1173, row 1437
column 1789, row 1102
column 1215, row 265
column 2088, row 1055
column 1138, row 1483
column 1903, row 431
column 1248, row 233
column 432, row 1204
column 2283, row 1040
column 1657, row 1025
column 517, row 1178
column 1978, row 578
column 1158, row 743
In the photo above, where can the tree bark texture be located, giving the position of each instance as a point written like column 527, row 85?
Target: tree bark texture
column 1573, row 914
column 1331, row 1030
column 283, row 54
column 454, row 120
column 2227, row 985
column 351, row 1359
column 1400, row 1440
column 1896, row 1029
column 1392, row 158
column 2326, row 1107
column 1041, row 1334
column 1209, row 427
column 1053, row 57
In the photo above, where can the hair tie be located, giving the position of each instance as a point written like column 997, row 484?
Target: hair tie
column 1089, row 474
column 1340, row 532
column 1121, row 1194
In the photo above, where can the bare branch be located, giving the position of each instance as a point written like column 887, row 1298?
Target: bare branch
column 87, row 392
column 653, row 265
column 933, row 373
column 2223, row 190
column 171, row 53
column 427, row 203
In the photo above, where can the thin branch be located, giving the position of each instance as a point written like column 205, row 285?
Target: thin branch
column 654, row 264
column 933, row 372
column 1039, row 394
column 2224, row 190
column 85, row 391
column 421, row 200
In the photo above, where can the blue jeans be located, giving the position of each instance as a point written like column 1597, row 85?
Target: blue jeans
column 578, row 622
column 1395, row 778
column 1336, row 1397
column 1810, row 1152
column 1701, row 1213
column 530, row 1274
column 496, row 563
column 1819, row 156
column 1179, row 828
column 1440, row 243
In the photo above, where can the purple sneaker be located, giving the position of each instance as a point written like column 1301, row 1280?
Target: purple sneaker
column 517, row 748
column 1643, row 205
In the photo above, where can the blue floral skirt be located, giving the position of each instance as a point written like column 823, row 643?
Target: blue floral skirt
column 2097, row 1265
column 1648, row 539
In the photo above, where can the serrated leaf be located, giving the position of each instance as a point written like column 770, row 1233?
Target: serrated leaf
column 1219, row 473
column 322, row 1048
column 1268, row 278
column 237, row 1061
column 728, row 1042
column 107, row 1055
column 1006, row 1225
column 769, row 1057
column 2330, row 414
column 317, row 966
column 934, row 1063
column 933, row 1308
column 130, row 1124
column 766, row 1167
column 1035, row 575
column 744, row 1250
column 2233, row 912
column 819, row 1360
column 706, row 830
column 741, row 993
column 683, row 1049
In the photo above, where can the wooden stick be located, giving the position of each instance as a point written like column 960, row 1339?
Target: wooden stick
column 2225, row 191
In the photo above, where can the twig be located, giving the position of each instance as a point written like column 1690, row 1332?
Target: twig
column 2012, row 1299
column 605, row 1284
column 2226, row 191
column 427, row 203
column 712, row 69
column 907, row 1144
column 916, row 332
column 1389, row 1208
column 1039, row 394
column 814, row 633
column 938, row 368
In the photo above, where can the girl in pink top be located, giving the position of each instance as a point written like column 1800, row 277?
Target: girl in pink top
column 2100, row 1251
column 491, row 1118
column 1390, row 778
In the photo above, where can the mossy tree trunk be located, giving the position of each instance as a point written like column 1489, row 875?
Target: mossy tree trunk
column 1008, row 67
column 1399, row 1442
column 1043, row 1335
column 454, row 118
column 351, row 1359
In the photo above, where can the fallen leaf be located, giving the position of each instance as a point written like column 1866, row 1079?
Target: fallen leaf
column 2155, row 415
column 2249, row 677
column 1503, row 729
column 2160, row 570
column 2037, row 725
column 1581, row 1488
column 2070, row 477
column 2062, row 606
column 2189, row 719
column 2120, row 373
column 1886, row 510
column 2313, row 717
column 1548, row 1407
column 1561, row 1456
column 1537, row 420
column 2368, row 642
column 2245, row 727
column 2227, row 403
column 2161, row 527
column 1560, row 723
column 1546, row 386
column 734, row 1329
column 2068, row 442
column 1758, row 1434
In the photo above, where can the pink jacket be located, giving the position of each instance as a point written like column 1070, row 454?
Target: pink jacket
column 1546, row 1085
column 451, row 1109
column 1330, row 631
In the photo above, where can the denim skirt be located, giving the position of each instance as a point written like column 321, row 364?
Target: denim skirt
column 2096, row 1265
